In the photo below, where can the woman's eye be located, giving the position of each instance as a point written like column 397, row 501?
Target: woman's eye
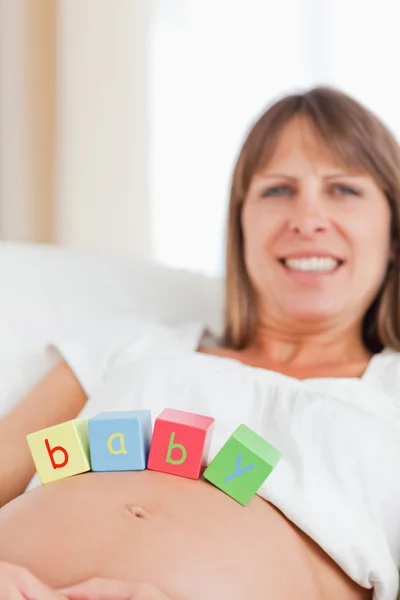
column 344, row 190
column 278, row 190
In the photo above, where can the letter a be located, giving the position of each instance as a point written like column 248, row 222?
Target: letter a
column 122, row 449
column 51, row 451
column 171, row 446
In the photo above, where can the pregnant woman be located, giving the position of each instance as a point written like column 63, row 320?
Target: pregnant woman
column 308, row 359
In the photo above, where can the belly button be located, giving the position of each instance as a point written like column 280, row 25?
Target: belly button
column 137, row 511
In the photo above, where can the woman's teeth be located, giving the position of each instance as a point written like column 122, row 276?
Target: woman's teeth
column 312, row 264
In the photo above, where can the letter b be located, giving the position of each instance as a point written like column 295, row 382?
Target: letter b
column 51, row 452
column 171, row 446
column 186, row 459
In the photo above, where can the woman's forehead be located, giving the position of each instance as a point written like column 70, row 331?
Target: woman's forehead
column 299, row 145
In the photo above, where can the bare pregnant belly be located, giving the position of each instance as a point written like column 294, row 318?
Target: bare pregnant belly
column 185, row 536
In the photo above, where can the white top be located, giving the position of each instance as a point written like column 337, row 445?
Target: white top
column 339, row 476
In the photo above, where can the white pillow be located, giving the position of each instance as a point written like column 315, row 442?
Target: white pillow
column 47, row 291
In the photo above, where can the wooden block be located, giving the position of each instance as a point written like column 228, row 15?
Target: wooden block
column 60, row 451
column 120, row 440
column 180, row 443
column 242, row 465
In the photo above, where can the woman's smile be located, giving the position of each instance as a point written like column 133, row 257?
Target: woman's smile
column 311, row 267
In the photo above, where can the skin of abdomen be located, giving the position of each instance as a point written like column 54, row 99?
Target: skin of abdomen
column 183, row 535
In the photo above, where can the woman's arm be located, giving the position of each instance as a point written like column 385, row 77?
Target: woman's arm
column 57, row 398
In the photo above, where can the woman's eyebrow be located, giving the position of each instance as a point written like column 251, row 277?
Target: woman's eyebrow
column 348, row 175
column 276, row 176
column 291, row 178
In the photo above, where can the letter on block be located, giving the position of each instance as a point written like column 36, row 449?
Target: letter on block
column 180, row 443
column 60, row 451
column 242, row 465
column 120, row 440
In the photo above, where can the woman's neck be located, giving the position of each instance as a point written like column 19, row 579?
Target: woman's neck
column 301, row 350
column 302, row 356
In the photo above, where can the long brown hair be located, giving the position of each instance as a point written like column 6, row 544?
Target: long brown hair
column 356, row 137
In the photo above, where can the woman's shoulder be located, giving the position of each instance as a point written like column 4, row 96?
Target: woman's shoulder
column 93, row 350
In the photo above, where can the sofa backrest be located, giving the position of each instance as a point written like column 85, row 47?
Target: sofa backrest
column 47, row 289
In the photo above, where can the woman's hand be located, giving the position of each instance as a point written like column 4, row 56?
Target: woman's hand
column 17, row 583
column 112, row 589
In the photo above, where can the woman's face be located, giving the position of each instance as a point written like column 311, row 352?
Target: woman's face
column 316, row 236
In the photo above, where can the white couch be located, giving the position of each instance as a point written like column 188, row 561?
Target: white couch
column 47, row 290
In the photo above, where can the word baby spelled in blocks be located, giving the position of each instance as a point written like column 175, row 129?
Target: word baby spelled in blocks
column 178, row 445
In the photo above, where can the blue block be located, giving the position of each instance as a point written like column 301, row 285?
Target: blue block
column 120, row 440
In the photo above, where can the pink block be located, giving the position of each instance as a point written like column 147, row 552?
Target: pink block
column 180, row 443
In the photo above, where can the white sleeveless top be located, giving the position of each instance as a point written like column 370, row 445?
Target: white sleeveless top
column 339, row 476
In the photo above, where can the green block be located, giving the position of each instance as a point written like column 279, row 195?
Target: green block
column 242, row 465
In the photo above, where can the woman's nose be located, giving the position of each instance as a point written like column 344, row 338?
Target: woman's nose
column 308, row 217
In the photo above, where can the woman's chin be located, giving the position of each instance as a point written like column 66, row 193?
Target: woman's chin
column 311, row 314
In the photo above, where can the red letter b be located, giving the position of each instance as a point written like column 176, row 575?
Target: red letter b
column 51, row 452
